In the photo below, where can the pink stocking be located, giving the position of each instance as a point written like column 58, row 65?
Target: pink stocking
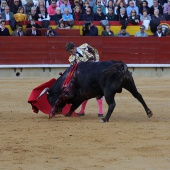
column 99, row 101
column 83, row 107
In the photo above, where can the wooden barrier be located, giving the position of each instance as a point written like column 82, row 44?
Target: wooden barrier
column 51, row 50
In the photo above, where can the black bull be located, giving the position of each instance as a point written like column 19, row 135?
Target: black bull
column 93, row 79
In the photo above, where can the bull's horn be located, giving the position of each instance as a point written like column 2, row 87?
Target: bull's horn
column 43, row 92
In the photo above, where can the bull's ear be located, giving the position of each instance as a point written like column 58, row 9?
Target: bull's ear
column 43, row 92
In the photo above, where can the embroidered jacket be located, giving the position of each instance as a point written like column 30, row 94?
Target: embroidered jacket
column 84, row 53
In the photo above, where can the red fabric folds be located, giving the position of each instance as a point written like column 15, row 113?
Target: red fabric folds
column 69, row 77
column 42, row 103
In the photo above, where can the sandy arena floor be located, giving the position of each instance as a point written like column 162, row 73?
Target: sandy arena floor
column 130, row 141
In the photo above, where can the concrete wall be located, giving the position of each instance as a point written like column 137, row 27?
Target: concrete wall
column 54, row 72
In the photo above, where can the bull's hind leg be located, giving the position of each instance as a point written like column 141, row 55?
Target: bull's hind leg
column 109, row 97
column 131, row 87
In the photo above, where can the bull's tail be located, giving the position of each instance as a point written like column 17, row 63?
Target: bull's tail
column 117, row 68
column 43, row 92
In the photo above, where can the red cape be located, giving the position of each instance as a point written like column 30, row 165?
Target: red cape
column 42, row 103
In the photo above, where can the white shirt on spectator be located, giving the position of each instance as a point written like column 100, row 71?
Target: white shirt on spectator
column 63, row 6
column 7, row 16
column 34, row 32
column 44, row 18
column 23, row 2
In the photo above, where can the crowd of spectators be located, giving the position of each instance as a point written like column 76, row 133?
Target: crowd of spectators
column 65, row 12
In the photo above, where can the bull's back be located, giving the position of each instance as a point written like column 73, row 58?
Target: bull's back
column 93, row 72
column 91, row 68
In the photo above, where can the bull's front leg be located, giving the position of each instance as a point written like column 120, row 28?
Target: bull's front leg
column 73, row 107
column 111, row 105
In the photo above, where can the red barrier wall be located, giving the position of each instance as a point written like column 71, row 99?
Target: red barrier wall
column 51, row 50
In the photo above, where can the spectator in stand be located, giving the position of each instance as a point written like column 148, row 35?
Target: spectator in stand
column 122, row 17
column 60, row 2
column 167, row 32
column 107, row 31
column 145, row 15
column 7, row 14
column 144, row 6
column 159, row 32
column 52, row 10
column 77, row 3
column 123, row 32
column 89, row 29
column 72, row 2
column 110, row 16
column 28, row 7
column 117, row 3
column 20, row 16
column 92, row 3
column 77, row 14
column 162, row 2
column 19, row 31
column 50, row 32
column 33, row 14
column 3, row 5
column 36, row 3
column 104, row 3
column 110, row 4
column 43, row 15
column 41, row 4
column 3, row 30
column 167, row 16
column 64, row 6
column 88, row 16
column 23, row 2
column 32, row 22
column 15, row 6
column 99, row 15
column 134, row 18
column 47, row 3
column 98, row 5
column 132, row 7
column 68, row 18
column 155, row 20
column 141, row 33
column 86, row 5
column 145, row 19
column 117, row 9
column 166, row 7
column 58, row 16
column 61, row 25
column 10, row 2
column 33, row 31
column 156, row 6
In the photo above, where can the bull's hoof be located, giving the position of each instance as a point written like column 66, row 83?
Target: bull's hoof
column 51, row 116
column 103, row 120
column 68, row 115
column 150, row 114
column 81, row 114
